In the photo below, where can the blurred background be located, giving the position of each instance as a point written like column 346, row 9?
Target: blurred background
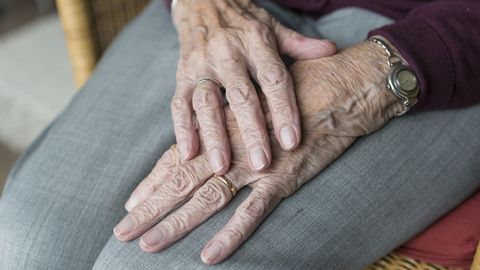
column 36, row 80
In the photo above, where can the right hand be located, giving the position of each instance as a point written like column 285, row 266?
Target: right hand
column 227, row 42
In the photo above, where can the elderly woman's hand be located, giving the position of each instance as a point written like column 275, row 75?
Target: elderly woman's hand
column 340, row 98
column 222, row 44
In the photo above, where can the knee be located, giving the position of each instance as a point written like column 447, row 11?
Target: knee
column 22, row 244
column 31, row 237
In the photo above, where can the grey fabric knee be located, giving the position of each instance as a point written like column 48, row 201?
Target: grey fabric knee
column 67, row 191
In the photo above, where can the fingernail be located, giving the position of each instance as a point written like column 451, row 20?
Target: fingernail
column 184, row 149
column 258, row 159
column 216, row 160
column 152, row 238
column 125, row 226
column 212, row 252
column 288, row 137
column 131, row 203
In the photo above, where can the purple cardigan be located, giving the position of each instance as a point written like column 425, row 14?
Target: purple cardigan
column 439, row 39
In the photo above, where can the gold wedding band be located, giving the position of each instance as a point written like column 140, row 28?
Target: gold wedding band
column 228, row 183
column 205, row 79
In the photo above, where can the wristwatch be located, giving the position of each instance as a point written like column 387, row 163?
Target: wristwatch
column 401, row 80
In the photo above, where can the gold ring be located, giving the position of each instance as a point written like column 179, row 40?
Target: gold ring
column 228, row 183
column 205, row 79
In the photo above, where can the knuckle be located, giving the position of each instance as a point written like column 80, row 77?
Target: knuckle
column 234, row 234
column 255, row 208
column 273, row 75
column 179, row 103
column 210, row 197
column 239, row 93
column 180, row 184
column 176, row 223
column 204, row 99
column 146, row 211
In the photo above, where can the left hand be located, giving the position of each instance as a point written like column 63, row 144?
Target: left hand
column 340, row 98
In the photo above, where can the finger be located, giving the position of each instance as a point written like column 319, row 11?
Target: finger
column 248, row 216
column 277, row 85
column 167, row 167
column 191, row 37
column 183, row 120
column 208, row 200
column 249, row 116
column 291, row 42
column 301, row 47
column 207, row 103
column 161, row 172
column 170, row 194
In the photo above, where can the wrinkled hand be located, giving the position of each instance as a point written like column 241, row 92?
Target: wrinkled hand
column 340, row 98
column 228, row 41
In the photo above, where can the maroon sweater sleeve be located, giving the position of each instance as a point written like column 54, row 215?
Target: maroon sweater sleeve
column 439, row 39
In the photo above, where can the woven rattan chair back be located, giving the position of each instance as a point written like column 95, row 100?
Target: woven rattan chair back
column 90, row 26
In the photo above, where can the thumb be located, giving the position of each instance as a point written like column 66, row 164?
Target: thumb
column 301, row 47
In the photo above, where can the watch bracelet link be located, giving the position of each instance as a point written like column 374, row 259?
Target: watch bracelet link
column 408, row 96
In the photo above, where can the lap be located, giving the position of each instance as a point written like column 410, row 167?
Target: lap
column 67, row 192
column 382, row 191
column 372, row 199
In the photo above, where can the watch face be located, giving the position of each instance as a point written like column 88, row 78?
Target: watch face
column 407, row 80
column 403, row 82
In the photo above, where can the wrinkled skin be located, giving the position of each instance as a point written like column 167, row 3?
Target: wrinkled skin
column 230, row 41
column 340, row 98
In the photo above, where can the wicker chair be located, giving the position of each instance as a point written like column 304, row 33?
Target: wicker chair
column 91, row 25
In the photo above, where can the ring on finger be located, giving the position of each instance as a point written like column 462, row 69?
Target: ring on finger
column 205, row 79
column 228, row 183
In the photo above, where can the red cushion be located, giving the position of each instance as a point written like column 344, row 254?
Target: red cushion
column 452, row 240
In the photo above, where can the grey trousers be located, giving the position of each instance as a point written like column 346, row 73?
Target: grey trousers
column 68, row 189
